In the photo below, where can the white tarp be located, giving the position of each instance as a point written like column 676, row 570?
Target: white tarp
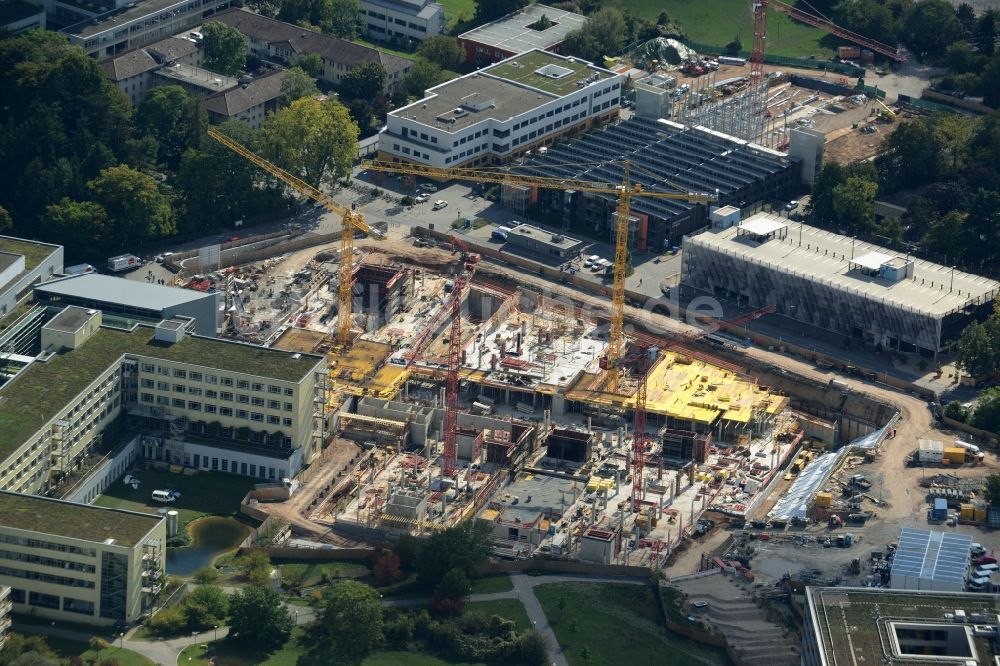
column 795, row 503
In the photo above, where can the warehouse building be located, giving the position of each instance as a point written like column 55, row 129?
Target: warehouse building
column 78, row 563
column 855, row 289
column 24, row 263
column 208, row 404
column 129, row 300
column 500, row 111
column 929, row 560
column 533, row 27
column 664, row 156
column 852, row 625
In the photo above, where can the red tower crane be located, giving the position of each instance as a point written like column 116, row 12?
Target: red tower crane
column 466, row 269
column 639, row 438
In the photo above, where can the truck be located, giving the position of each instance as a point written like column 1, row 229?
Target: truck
column 859, row 481
column 124, row 262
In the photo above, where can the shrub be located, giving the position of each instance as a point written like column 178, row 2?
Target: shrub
column 407, row 200
column 206, row 575
column 168, row 622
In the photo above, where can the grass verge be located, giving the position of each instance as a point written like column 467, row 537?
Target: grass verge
column 511, row 609
column 581, row 613
column 492, row 584
column 67, row 649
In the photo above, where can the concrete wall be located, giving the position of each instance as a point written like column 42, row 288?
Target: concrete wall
column 105, row 473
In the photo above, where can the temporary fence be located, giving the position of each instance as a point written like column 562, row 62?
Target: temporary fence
column 787, row 61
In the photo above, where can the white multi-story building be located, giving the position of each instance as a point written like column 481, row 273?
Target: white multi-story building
column 78, row 563
column 217, row 405
column 415, row 19
column 502, row 110
column 24, row 263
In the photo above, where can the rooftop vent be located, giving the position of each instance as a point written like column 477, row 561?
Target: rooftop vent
column 553, row 71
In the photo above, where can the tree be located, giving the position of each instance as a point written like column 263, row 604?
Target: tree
column 6, row 221
column 963, row 57
column 207, row 606
column 930, row 26
column 993, row 489
column 423, row 75
column 909, row 157
column 979, row 346
column 27, row 650
column 84, row 221
column 225, row 48
column 464, row 547
column 137, row 209
column 255, row 566
column 258, row 618
column 62, row 121
column 945, row 235
column 206, row 575
column 854, row 203
column 454, row 585
column 986, row 31
column 163, row 115
column 310, row 63
column 386, row 569
column 340, row 18
column 442, row 50
column 987, row 412
column 408, row 549
column 352, row 615
column 605, row 33
column 315, row 140
column 364, row 81
column 956, row 410
column 490, row 10
column 196, row 122
column 362, row 115
column 869, row 18
column 296, row 85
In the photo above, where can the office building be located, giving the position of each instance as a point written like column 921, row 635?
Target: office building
column 852, row 625
column 533, row 27
column 76, row 563
column 204, row 403
column 273, row 40
column 386, row 20
column 249, row 101
column 665, row 157
column 24, row 263
column 134, row 24
column 547, row 244
column 501, row 111
column 129, row 300
column 854, row 289
column 135, row 72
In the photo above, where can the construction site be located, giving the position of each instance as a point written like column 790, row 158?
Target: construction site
column 571, row 425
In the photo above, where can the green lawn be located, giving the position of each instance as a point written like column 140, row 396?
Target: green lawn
column 202, row 494
column 492, row 584
column 310, row 572
column 589, row 609
column 458, row 10
column 385, row 47
column 511, row 609
column 231, row 653
column 67, row 648
column 720, row 21
column 409, row 659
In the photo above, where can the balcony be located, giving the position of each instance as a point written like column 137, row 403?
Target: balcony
column 151, row 589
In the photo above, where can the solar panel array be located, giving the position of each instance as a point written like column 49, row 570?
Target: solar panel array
column 939, row 556
column 664, row 158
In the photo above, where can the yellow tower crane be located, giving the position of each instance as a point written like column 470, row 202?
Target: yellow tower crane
column 352, row 221
column 625, row 191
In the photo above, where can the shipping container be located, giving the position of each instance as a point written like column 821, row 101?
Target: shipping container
column 955, row 455
column 940, row 511
column 849, row 52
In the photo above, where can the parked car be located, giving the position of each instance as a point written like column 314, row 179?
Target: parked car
column 985, row 559
column 428, row 187
column 420, row 198
column 439, row 204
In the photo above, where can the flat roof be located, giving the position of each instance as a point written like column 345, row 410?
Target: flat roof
column 34, row 252
column 823, row 256
column 514, row 32
column 70, row 319
column 197, row 76
column 16, row 10
column 873, row 260
column 41, row 390
column 128, row 293
column 535, row 494
column 117, row 17
column 43, row 515
column 544, row 236
column 851, row 623
column 7, row 260
column 502, row 91
column 933, row 555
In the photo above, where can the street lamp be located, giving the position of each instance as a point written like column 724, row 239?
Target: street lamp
column 121, row 639
column 216, row 630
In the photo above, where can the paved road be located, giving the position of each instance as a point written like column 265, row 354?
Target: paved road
column 523, row 590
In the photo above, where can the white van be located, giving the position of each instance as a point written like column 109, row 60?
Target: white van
column 164, row 496
column 987, row 569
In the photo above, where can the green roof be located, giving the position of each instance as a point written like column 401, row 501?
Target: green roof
column 41, row 390
column 34, row 252
column 523, row 69
column 846, row 617
column 76, row 521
